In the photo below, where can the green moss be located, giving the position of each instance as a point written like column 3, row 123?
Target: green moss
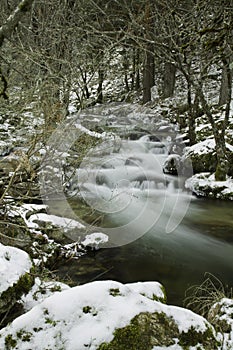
column 192, row 338
column 161, row 299
column 10, row 342
column 14, row 293
column 87, row 309
column 144, row 332
column 114, row 292
column 24, row 335
column 147, row 330
column 50, row 321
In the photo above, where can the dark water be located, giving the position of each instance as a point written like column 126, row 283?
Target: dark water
column 202, row 243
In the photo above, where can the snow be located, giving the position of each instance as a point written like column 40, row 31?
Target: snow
column 95, row 239
column 14, row 263
column 200, row 182
column 40, row 291
column 205, row 147
column 151, row 290
column 62, row 222
column 86, row 316
column 30, row 220
column 171, row 347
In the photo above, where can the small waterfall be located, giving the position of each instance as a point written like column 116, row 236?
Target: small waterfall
column 128, row 184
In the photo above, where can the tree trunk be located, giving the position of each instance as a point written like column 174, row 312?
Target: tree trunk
column 3, row 86
column 148, row 75
column 219, row 136
column 191, row 119
column 137, row 70
column 169, row 80
column 223, row 88
column 100, row 86
column 12, row 21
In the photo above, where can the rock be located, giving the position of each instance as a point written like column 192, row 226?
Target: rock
column 203, row 157
column 173, row 165
column 15, row 277
column 204, row 185
column 149, row 330
column 220, row 316
column 108, row 315
column 95, row 240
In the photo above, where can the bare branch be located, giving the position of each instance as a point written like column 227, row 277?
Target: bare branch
column 7, row 28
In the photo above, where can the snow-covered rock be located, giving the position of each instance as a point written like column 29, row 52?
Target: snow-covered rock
column 108, row 315
column 95, row 240
column 220, row 315
column 15, row 279
column 203, row 156
column 204, row 185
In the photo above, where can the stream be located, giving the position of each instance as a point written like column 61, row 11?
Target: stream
column 156, row 230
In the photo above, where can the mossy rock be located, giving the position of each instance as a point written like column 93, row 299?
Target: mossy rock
column 207, row 162
column 10, row 296
column 148, row 330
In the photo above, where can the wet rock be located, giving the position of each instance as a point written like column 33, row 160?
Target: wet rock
column 173, row 165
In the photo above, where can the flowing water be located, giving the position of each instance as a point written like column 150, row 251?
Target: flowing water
column 157, row 231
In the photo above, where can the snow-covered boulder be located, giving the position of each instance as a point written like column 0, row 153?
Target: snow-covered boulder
column 203, row 156
column 204, row 185
column 108, row 315
column 15, row 277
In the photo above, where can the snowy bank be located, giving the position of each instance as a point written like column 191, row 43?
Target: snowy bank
column 108, row 315
column 204, row 185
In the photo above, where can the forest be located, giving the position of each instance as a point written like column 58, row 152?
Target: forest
column 116, row 174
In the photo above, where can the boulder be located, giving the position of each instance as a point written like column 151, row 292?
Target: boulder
column 108, row 315
column 203, row 157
